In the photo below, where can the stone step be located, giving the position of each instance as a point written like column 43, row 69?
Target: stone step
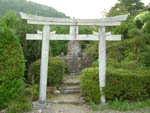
column 70, row 91
column 72, row 87
column 71, row 82
column 67, row 99
column 63, row 102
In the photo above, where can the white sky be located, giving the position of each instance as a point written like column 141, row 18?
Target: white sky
column 82, row 8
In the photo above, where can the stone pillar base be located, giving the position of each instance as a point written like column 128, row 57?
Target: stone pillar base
column 38, row 106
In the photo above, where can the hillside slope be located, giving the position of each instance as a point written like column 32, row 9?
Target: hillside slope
column 28, row 7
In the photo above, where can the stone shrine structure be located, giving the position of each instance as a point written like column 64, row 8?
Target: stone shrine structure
column 75, row 60
column 74, row 48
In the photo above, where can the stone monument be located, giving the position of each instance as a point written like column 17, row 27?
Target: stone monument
column 75, row 60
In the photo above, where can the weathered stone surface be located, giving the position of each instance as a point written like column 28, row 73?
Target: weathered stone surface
column 38, row 106
column 67, row 99
column 56, row 92
column 74, row 48
column 70, row 91
column 71, row 81
column 75, row 59
column 68, row 87
column 76, row 63
column 51, row 89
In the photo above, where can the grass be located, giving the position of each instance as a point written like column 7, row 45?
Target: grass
column 94, row 107
column 126, row 105
column 122, row 105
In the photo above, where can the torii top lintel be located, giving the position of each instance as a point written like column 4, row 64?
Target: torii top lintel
column 109, row 21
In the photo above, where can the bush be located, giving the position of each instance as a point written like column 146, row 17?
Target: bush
column 127, row 85
column 32, row 92
column 12, row 66
column 56, row 68
column 90, row 85
column 120, row 84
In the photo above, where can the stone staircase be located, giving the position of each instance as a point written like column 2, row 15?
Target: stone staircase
column 70, row 91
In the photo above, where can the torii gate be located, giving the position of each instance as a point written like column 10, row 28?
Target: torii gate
column 46, row 35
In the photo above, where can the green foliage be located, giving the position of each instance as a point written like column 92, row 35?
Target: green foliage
column 57, row 47
column 127, row 85
column 129, row 54
column 118, row 9
column 10, row 19
column 90, row 80
column 121, row 84
column 94, row 106
column 125, row 7
column 91, row 51
column 124, row 28
column 127, row 105
column 128, row 79
column 143, row 22
column 56, row 68
column 32, row 92
column 31, row 49
column 20, row 106
column 12, row 66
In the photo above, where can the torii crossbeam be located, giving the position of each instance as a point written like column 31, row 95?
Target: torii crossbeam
column 45, row 36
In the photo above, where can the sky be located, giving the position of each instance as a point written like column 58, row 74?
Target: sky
column 82, row 8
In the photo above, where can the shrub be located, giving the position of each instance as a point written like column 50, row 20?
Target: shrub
column 32, row 92
column 12, row 66
column 120, row 84
column 127, row 85
column 90, row 85
column 56, row 68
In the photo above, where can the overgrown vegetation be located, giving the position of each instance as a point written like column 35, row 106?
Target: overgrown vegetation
column 56, row 69
column 122, row 105
column 120, row 84
column 90, row 80
column 127, row 105
column 12, row 67
column 128, row 63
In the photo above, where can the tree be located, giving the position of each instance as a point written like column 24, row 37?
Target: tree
column 142, row 21
column 125, row 7
column 12, row 64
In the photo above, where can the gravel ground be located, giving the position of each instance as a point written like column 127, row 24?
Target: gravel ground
column 62, row 108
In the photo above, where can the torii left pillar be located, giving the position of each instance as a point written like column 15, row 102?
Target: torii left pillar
column 44, row 64
column 43, row 70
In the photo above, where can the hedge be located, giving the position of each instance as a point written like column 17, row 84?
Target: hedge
column 121, row 84
column 56, row 68
column 89, row 85
column 12, row 66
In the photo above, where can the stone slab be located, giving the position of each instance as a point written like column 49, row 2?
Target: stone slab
column 38, row 106
column 67, row 99
column 70, row 91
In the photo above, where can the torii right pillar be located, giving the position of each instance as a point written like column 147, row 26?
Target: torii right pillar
column 102, row 62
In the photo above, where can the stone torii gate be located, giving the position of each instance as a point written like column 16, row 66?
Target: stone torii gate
column 46, row 35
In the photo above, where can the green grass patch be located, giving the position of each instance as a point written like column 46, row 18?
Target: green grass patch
column 126, row 105
column 121, row 106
